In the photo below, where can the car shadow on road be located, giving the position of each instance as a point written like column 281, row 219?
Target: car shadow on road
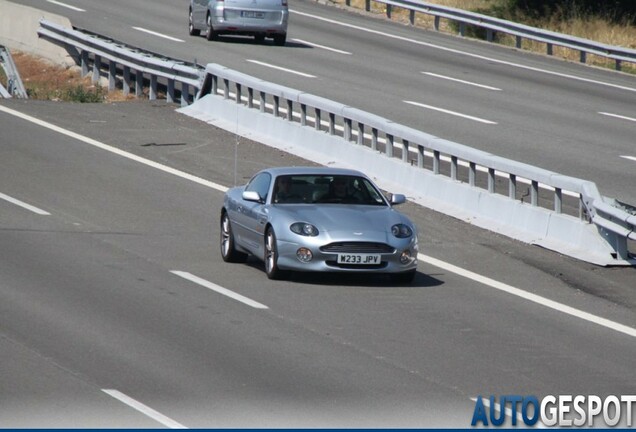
column 249, row 40
column 421, row 280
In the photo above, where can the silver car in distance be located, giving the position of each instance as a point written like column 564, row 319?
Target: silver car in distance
column 318, row 220
column 258, row 18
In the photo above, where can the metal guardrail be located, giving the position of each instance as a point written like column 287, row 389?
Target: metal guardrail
column 615, row 221
column 15, row 87
column 547, row 189
column 134, row 66
column 519, row 31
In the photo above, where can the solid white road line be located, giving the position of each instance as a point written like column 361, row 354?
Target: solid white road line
column 141, row 29
column 66, row 5
column 477, row 119
column 304, row 42
column 147, row 411
column 280, row 68
column 424, row 258
column 219, row 289
column 24, row 205
column 114, row 150
column 629, row 157
column 617, row 116
column 464, row 53
column 461, row 81
column 529, row 296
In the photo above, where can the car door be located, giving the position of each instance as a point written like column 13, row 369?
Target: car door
column 252, row 216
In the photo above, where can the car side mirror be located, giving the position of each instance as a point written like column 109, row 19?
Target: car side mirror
column 397, row 199
column 252, row 196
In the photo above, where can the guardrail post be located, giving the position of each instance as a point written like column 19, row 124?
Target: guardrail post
column 583, row 57
column 237, row 95
column 97, row 65
column 112, row 75
column 367, row 5
column 389, row 145
column 250, row 97
column 518, row 40
column 276, row 106
column 549, row 48
column 462, row 29
column 388, row 11
column 436, row 157
column 360, row 133
column 139, row 83
column 412, row 17
column 171, row 91
column 489, row 35
column 374, row 138
column 303, row 114
column 317, row 120
column 290, row 110
column 491, row 180
column 84, row 61
column 332, row 123
column 185, row 94
column 347, row 129
column 512, row 186
column 437, row 18
column 226, row 88
column 420, row 156
column 153, row 87
column 405, row 150
column 215, row 85
column 534, row 193
column 454, row 167
column 558, row 200
column 126, row 81
column 263, row 101
column 472, row 173
column 618, row 64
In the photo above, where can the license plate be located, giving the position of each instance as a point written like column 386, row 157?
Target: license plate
column 252, row 14
column 359, row 259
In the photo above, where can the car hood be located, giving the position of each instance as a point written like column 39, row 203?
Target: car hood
column 339, row 217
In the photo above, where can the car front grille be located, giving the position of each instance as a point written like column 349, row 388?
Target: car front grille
column 357, row 247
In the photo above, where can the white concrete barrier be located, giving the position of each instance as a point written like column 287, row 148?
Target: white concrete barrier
column 19, row 32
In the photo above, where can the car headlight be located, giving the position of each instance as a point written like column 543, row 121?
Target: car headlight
column 304, row 229
column 401, row 231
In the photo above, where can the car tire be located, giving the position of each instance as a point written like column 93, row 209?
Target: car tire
column 210, row 33
column 271, row 256
column 191, row 29
column 403, row 278
column 228, row 248
column 280, row 39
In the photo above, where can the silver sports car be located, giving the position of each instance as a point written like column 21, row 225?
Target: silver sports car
column 318, row 219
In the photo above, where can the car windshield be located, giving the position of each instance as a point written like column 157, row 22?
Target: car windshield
column 332, row 189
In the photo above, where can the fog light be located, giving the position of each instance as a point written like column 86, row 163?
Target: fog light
column 405, row 257
column 304, row 255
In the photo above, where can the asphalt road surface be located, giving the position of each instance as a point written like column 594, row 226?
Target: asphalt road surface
column 565, row 117
column 109, row 211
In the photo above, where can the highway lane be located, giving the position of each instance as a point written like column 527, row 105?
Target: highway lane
column 89, row 292
column 546, row 112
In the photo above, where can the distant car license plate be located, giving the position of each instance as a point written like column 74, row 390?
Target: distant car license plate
column 252, row 14
column 360, row 259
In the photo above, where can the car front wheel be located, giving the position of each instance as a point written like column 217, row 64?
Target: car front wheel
column 271, row 256
column 191, row 29
column 228, row 249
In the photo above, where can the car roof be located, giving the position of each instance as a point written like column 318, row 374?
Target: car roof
column 310, row 170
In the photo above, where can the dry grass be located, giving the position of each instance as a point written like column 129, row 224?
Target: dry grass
column 593, row 28
column 47, row 81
